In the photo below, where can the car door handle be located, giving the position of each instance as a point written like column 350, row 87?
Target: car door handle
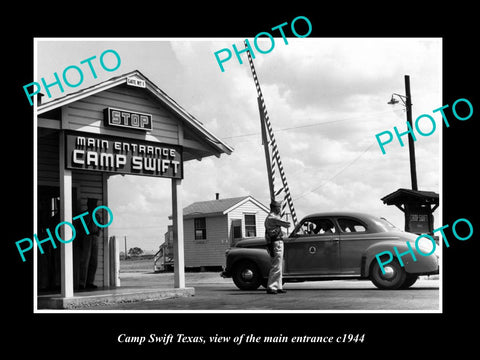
column 336, row 238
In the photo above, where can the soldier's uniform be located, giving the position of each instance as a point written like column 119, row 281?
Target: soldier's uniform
column 274, row 238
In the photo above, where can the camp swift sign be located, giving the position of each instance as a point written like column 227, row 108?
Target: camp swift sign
column 123, row 156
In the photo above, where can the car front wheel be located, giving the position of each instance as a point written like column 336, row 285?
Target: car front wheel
column 409, row 281
column 246, row 276
column 393, row 278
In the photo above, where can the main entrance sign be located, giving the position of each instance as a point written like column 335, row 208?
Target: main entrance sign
column 123, row 156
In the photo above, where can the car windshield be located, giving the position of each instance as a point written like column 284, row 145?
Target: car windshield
column 386, row 225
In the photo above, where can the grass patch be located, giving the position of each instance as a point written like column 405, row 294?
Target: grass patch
column 135, row 264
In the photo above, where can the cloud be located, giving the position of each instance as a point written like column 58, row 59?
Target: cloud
column 330, row 73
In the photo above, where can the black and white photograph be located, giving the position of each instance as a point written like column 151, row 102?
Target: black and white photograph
column 219, row 188
column 290, row 128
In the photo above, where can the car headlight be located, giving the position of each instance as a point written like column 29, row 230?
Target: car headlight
column 426, row 246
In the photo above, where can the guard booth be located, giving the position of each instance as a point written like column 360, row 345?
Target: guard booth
column 125, row 125
column 418, row 207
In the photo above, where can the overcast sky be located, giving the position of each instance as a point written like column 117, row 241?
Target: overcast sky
column 326, row 97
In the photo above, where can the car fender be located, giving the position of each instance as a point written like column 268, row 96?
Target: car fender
column 258, row 256
column 420, row 265
column 370, row 253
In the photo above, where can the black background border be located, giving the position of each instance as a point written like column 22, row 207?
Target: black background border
column 405, row 334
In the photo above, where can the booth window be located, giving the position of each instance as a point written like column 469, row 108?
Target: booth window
column 250, row 226
column 200, row 229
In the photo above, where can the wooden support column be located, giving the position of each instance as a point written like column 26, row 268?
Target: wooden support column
column 66, row 250
column 107, row 264
column 178, row 248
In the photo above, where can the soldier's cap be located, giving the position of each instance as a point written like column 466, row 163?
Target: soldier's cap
column 275, row 203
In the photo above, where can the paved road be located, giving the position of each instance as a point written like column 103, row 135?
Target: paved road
column 215, row 293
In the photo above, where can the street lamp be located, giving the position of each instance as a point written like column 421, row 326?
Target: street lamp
column 394, row 101
column 407, row 102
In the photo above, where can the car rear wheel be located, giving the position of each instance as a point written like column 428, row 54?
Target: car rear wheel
column 393, row 278
column 246, row 276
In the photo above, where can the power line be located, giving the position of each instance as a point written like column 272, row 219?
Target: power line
column 286, row 129
column 338, row 173
column 306, row 125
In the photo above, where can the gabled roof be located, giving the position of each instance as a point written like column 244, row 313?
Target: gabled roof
column 188, row 118
column 218, row 207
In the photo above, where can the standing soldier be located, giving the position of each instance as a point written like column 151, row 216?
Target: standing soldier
column 274, row 238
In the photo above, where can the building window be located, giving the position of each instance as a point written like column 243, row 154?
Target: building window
column 200, row 229
column 250, row 226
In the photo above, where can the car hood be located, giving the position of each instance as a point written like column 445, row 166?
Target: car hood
column 251, row 242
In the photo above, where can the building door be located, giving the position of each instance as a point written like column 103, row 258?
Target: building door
column 48, row 263
column 236, row 230
column 48, row 217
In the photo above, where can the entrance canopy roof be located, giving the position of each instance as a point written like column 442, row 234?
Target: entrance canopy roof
column 183, row 128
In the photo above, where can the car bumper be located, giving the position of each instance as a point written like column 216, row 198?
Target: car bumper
column 225, row 274
column 426, row 266
column 434, row 272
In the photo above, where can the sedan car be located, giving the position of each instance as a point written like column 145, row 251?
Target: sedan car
column 333, row 246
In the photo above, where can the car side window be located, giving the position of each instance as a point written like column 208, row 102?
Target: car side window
column 351, row 226
column 315, row 226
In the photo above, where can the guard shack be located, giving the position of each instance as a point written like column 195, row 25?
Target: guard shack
column 418, row 207
column 125, row 125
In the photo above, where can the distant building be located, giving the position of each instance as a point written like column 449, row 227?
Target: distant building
column 211, row 227
column 163, row 258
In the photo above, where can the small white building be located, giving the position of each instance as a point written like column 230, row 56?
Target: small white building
column 211, row 227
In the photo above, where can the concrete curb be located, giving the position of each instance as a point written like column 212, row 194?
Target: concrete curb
column 126, row 295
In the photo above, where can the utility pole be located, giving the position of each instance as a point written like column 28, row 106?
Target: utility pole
column 125, row 257
column 411, row 146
